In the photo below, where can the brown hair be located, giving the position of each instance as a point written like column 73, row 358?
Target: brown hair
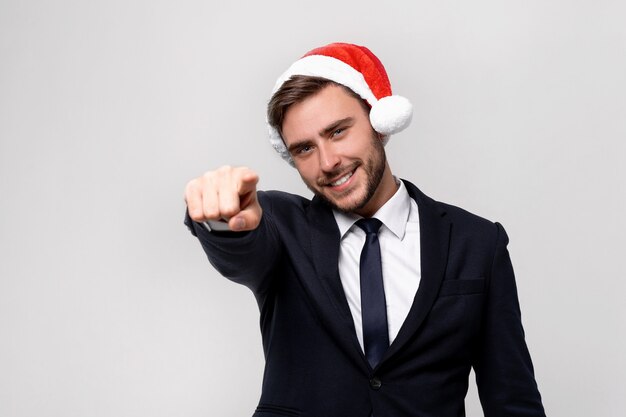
column 297, row 89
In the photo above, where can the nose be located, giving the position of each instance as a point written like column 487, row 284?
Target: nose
column 329, row 158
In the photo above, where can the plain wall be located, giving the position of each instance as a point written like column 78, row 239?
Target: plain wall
column 108, row 306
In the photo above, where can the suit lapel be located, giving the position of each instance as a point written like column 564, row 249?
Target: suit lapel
column 434, row 241
column 325, row 244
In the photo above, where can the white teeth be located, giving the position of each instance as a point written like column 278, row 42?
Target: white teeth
column 342, row 180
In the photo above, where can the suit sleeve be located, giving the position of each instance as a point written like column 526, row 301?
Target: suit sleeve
column 503, row 367
column 246, row 258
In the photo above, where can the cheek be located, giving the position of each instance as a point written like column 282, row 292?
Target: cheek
column 361, row 142
column 307, row 170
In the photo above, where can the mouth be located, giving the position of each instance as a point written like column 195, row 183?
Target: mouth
column 339, row 183
column 342, row 180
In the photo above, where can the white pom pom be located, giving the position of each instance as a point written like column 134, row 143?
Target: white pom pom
column 391, row 114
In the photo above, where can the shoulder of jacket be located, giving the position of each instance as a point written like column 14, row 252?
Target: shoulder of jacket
column 462, row 219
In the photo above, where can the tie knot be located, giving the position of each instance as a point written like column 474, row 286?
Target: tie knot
column 370, row 225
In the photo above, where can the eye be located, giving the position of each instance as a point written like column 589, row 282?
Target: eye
column 303, row 150
column 338, row 131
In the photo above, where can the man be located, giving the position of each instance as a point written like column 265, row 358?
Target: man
column 374, row 298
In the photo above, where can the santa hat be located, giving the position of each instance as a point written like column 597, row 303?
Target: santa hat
column 357, row 68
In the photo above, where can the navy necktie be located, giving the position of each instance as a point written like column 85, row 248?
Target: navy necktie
column 373, row 306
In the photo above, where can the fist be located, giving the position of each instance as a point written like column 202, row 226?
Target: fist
column 226, row 194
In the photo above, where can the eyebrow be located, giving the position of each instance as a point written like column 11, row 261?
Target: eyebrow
column 324, row 132
column 331, row 127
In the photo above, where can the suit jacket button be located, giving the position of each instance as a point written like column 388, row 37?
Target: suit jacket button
column 375, row 383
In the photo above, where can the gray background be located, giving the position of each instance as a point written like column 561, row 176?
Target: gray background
column 108, row 306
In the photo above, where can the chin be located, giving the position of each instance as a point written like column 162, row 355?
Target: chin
column 349, row 204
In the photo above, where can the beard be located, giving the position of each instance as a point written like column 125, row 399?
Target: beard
column 374, row 168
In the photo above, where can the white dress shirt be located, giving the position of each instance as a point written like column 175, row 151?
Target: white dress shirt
column 399, row 238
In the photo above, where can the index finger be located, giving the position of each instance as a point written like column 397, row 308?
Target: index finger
column 247, row 181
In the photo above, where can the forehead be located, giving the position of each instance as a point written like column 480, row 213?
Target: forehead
column 314, row 113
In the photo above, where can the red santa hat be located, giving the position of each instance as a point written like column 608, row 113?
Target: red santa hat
column 357, row 68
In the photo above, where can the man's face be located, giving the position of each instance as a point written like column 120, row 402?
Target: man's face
column 337, row 153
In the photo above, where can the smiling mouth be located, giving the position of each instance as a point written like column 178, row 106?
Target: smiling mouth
column 342, row 180
column 332, row 179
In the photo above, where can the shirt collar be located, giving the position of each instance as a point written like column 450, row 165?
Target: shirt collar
column 394, row 214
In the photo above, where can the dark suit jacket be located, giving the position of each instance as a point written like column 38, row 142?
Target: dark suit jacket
column 465, row 314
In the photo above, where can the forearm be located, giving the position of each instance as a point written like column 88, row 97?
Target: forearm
column 243, row 257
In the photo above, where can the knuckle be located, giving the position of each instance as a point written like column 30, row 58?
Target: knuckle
column 191, row 186
column 229, row 210
column 208, row 177
column 211, row 213
column 196, row 214
column 224, row 170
